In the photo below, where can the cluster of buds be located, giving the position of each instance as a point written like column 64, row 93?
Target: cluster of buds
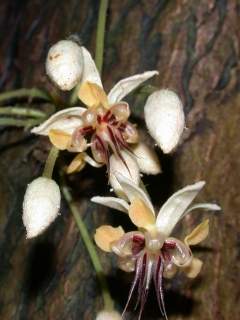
column 103, row 127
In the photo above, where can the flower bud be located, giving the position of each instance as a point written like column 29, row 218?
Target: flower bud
column 108, row 315
column 64, row 64
column 164, row 118
column 41, row 205
column 129, row 169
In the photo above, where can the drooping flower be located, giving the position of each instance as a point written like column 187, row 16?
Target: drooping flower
column 40, row 206
column 103, row 125
column 151, row 251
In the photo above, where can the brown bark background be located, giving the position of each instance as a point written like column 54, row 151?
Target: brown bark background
column 195, row 47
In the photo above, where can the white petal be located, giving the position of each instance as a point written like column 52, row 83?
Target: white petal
column 66, row 120
column 129, row 170
column 125, row 86
column 41, row 205
column 64, row 64
column 112, row 202
column 147, row 159
column 90, row 71
column 205, row 206
column 164, row 118
column 132, row 191
column 174, row 208
column 91, row 161
column 108, row 315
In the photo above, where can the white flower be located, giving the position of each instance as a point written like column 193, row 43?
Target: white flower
column 103, row 125
column 40, row 206
column 151, row 251
column 164, row 118
column 108, row 315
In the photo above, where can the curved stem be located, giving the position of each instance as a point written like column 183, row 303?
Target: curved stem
column 24, row 93
column 108, row 302
column 101, row 34
column 50, row 163
column 22, row 111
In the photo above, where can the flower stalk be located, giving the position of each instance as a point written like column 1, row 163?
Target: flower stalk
column 108, row 302
column 50, row 163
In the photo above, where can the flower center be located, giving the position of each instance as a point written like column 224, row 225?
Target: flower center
column 108, row 131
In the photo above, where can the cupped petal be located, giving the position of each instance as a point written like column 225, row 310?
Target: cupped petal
column 165, row 119
column 92, row 95
column 205, row 206
column 194, row 268
column 181, row 254
column 90, row 71
column 127, row 167
column 60, row 139
column 125, row 86
column 141, row 215
column 66, row 120
column 132, row 191
column 174, row 208
column 198, row 234
column 106, row 235
column 147, row 159
column 112, row 202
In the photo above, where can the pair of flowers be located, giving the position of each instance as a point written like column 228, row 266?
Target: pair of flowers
column 104, row 127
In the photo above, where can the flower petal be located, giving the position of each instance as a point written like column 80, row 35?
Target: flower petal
column 194, row 268
column 90, row 71
column 174, row 208
column 129, row 169
column 92, row 95
column 106, row 235
column 206, row 206
column 164, row 118
column 91, row 161
column 140, row 214
column 112, row 202
column 146, row 158
column 77, row 164
column 60, row 139
column 132, row 191
column 66, row 120
column 125, row 86
column 198, row 234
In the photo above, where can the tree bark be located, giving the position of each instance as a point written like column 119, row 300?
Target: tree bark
column 195, row 47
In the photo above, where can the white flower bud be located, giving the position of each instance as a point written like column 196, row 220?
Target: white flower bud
column 108, row 315
column 40, row 206
column 64, row 64
column 164, row 118
column 129, row 170
column 147, row 159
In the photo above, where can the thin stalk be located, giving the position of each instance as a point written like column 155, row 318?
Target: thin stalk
column 50, row 163
column 24, row 93
column 22, row 111
column 108, row 302
column 11, row 122
column 102, row 14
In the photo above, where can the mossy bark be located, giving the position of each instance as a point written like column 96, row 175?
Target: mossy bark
column 195, row 47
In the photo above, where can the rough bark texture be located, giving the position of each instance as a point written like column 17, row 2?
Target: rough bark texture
column 195, row 47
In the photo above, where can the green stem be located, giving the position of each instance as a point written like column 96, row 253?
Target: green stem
column 19, row 122
column 101, row 34
column 50, row 163
column 108, row 302
column 24, row 93
column 21, row 111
